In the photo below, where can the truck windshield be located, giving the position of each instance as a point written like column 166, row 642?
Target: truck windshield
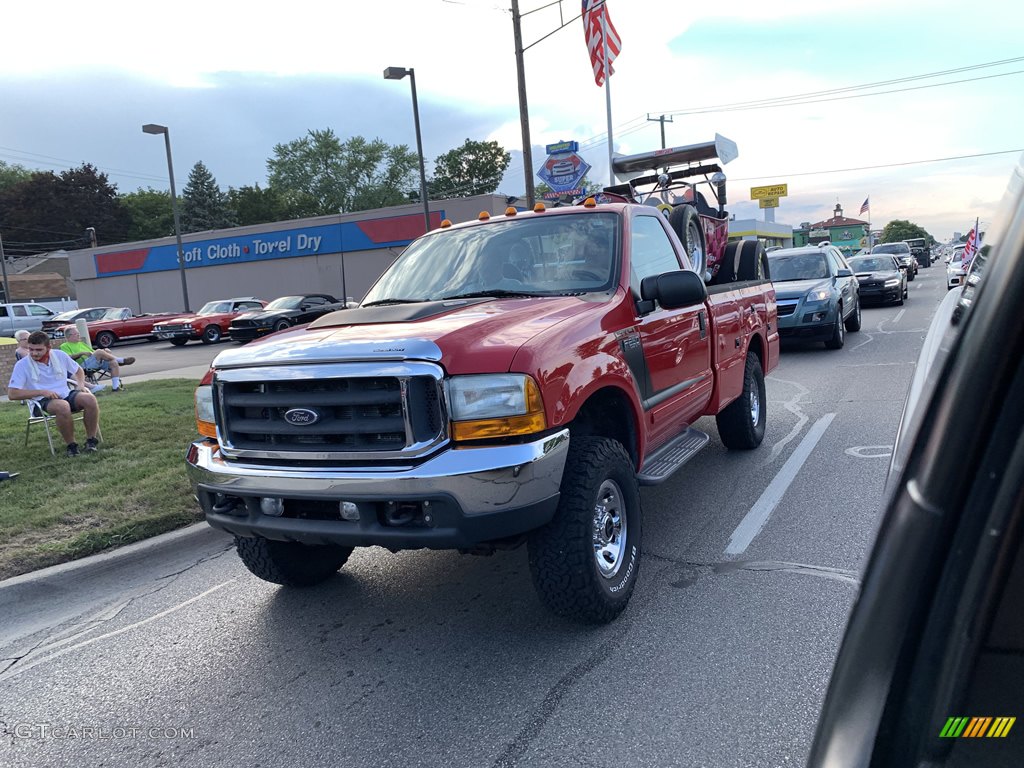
column 542, row 256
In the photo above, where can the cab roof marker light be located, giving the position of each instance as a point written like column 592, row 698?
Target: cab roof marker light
column 539, row 208
column 445, row 223
column 511, row 211
column 590, row 203
column 484, row 216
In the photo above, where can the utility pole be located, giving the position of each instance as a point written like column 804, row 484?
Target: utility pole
column 3, row 268
column 524, row 112
column 663, row 119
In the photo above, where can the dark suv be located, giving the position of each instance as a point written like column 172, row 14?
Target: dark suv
column 902, row 253
column 921, row 251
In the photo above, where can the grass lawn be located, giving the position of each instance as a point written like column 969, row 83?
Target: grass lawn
column 134, row 487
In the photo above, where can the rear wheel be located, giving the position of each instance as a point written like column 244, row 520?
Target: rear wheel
column 585, row 562
column 838, row 331
column 211, row 334
column 741, row 424
column 288, row 563
column 685, row 221
column 105, row 339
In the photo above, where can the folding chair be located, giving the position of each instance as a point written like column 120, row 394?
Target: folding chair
column 36, row 415
column 94, row 376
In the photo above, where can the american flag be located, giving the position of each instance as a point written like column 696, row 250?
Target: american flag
column 594, row 11
column 866, row 206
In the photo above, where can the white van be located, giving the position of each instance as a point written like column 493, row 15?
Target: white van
column 27, row 315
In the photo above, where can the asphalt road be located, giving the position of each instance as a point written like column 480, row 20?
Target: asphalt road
column 176, row 655
column 160, row 356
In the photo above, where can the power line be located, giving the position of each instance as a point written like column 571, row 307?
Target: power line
column 874, row 167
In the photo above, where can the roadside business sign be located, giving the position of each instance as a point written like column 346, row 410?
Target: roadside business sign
column 564, row 169
column 771, row 190
column 768, row 202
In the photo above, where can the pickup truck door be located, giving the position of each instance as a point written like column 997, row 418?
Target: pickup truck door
column 678, row 381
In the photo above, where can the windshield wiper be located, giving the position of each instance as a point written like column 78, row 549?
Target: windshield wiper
column 382, row 302
column 496, row 293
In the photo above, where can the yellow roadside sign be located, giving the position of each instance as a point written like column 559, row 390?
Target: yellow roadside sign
column 772, row 190
column 768, row 202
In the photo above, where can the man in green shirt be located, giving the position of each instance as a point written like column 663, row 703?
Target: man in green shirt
column 94, row 359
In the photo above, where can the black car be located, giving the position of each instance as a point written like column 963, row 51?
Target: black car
column 283, row 313
column 881, row 279
column 931, row 669
column 902, row 253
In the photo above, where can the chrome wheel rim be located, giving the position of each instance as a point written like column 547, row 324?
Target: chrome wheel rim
column 755, row 405
column 609, row 531
column 698, row 259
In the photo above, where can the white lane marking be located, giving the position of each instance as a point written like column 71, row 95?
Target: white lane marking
column 758, row 515
column 898, row 316
column 869, row 451
column 793, row 406
column 23, row 666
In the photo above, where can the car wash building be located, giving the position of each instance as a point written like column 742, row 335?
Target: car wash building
column 340, row 254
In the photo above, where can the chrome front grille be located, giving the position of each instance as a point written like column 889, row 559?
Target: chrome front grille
column 325, row 412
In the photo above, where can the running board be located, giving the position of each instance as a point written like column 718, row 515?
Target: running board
column 663, row 462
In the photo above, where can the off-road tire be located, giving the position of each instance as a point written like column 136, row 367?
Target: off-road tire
column 685, row 222
column 563, row 561
column 853, row 321
column 178, row 342
column 211, row 334
column 288, row 563
column 105, row 339
column 737, row 425
column 838, row 332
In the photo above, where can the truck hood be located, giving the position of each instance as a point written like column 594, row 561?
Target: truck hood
column 465, row 336
column 795, row 289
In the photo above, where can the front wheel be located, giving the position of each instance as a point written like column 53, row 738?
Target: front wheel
column 281, row 325
column 211, row 334
column 585, row 562
column 741, row 424
column 853, row 321
column 838, row 331
column 288, row 563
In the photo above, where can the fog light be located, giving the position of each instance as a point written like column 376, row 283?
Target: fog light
column 348, row 510
column 272, row 506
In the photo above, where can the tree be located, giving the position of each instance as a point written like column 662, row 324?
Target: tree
column 11, row 174
column 256, row 205
column 319, row 174
column 898, row 230
column 55, row 210
column 150, row 212
column 203, row 205
column 475, row 168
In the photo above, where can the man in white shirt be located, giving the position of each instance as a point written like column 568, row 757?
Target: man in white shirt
column 43, row 377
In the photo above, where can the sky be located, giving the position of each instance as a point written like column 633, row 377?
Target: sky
column 78, row 80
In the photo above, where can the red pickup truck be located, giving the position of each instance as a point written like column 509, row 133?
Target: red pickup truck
column 509, row 380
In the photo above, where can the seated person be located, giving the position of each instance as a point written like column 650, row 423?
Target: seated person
column 43, row 377
column 94, row 359
column 21, row 350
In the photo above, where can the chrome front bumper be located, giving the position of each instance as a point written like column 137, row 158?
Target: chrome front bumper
column 458, row 498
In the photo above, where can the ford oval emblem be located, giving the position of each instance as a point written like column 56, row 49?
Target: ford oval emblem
column 301, row 416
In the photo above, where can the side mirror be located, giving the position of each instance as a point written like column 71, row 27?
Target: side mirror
column 674, row 290
column 844, row 273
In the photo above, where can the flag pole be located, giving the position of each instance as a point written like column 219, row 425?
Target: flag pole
column 608, row 92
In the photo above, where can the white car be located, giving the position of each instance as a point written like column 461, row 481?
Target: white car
column 955, row 271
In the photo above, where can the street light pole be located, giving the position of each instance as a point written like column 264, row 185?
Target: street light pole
column 154, row 129
column 397, row 73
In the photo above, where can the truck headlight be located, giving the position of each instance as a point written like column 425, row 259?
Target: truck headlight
column 206, row 422
column 819, row 295
column 494, row 405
